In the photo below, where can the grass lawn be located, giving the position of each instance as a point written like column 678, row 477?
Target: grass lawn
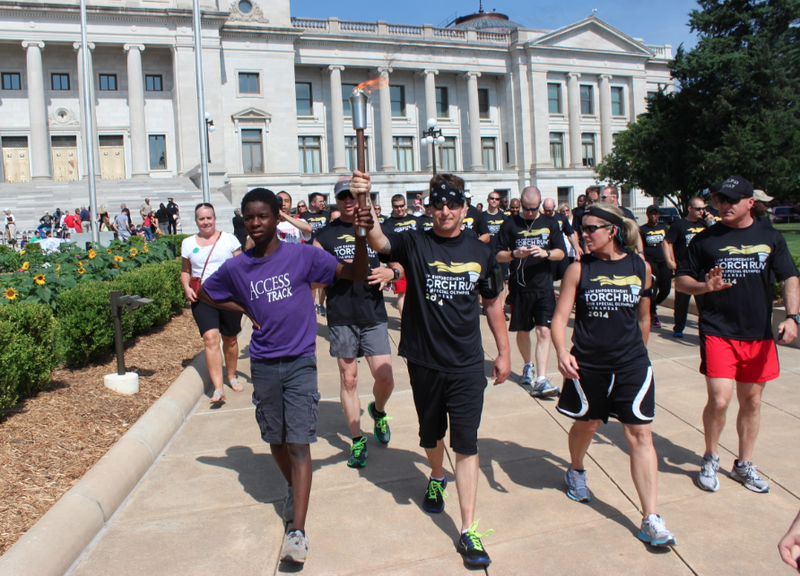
column 792, row 234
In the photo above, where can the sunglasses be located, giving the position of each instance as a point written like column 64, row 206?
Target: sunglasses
column 732, row 201
column 701, row 208
column 530, row 209
column 398, row 205
column 494, row 197
column 591, row 228
column 451, row 204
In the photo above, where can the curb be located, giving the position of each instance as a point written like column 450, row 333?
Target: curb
column 51, row 545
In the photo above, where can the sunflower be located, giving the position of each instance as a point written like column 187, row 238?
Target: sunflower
column 134, row 251
column 92, row 254
column 115, row 265
column 58, row 267
column 81, row 270
column 118, row 258
column 22, row 252
column 10, row 294
column 25, row 265
column 145, row 249
column 81, row 262
column 109, row 250
column 39, row 279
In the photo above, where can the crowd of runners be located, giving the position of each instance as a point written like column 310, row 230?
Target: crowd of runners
column 448, row 265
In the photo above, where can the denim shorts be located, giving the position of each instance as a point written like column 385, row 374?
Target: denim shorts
column 287, row 399
column 359, row 341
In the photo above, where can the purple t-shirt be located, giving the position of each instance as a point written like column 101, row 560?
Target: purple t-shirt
column 276, row 290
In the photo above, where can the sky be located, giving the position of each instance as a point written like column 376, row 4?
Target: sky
column 657, row 22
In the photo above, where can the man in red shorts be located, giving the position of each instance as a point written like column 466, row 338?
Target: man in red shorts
column 731, row 263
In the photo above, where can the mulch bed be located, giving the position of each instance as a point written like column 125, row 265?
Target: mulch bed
column 49, row 441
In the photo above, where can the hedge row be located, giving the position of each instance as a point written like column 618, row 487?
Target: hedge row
column 35, row 341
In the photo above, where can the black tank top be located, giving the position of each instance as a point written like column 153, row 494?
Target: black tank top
column 607, row 337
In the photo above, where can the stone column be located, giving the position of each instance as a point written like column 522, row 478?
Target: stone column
column 430, row 107
column 606, row 140
column 574, row 97
column 140, row 167
column 474, row 121
column 387, row 144
column 84, row 124
column 337, row 119
column 37, row 110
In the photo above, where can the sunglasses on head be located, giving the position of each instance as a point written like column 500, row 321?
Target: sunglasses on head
column 530, row 209
column 451, row 204
column 592, row 228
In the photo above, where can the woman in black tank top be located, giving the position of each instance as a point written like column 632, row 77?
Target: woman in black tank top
column 607, row 372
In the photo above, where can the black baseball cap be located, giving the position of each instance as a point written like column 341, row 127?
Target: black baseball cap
column 653, row 209
column 342, row 190
column 736, row 187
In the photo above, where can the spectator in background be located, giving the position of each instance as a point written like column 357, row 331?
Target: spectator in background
column 760, row 210
column 514, row 206
column 162, row 217
column 301, row 209
column 174, row 215
column 86, row 220
column 238, row 227
column 146, row 208
column 123, row 224
column 380, row 217
column 11, row 227
column 318, row 217
column 290, row 229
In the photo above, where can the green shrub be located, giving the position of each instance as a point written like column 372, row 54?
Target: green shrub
column 29, row 350
column 777, row 286
column 176, row 240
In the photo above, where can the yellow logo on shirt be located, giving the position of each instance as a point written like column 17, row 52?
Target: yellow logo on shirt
column 406, row 223
column 347, row 238
column 473, row 268
column 659, row 232
column 745, row 250
column 618, row 280
column 696, row 230
column 539, row 232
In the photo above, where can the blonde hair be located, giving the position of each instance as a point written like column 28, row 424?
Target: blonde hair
column 560, row 208
column 628, row 234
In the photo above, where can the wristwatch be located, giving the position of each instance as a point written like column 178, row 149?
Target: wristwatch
column 795, row 317
column 548, row 253
column 396, row 274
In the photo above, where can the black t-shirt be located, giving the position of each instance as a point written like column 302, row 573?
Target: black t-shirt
column 472, row 218
column 680, row 235
column 381, row 218
column 747, row 257
column 425, row 222
column 577, row 218
column 490, row 223
column 172, row 210
column 563, row 223
column 317, row 220
column 441, row 322
column 530, row 274
column 395, row 224
column 627, row 213
column 653, row 237
column 607, row 337
column 350, row 303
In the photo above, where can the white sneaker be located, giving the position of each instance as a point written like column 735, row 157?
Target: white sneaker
column 296, row 547
column 527, row 374
column 655, row 533
column 544, row 388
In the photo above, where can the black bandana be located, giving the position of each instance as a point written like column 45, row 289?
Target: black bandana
column 444, row 192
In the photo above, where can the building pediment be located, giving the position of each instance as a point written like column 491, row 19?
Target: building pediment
column 591, row 35
column 252, row 114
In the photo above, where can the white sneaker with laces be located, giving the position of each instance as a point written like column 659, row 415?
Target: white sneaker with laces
column 544, row 388
column 295, row 549
column 655, row 533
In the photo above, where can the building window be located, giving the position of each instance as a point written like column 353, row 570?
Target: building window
column 404, row 153
column 108, row 82
column 398, row 98
column 12, row 81
column 447, row 154
column 483, row 103
column 557, row 149
column 153, row 83
column 489, row 153
column 347, row 90
column 442, row 103
column 302, row 91
column 248, row 83
column 59, row 81
column 563, row 195
column 351, row 151
column 252, row 156
column 158, row 152
column 587, row 147
column 554, row 98
column 587, row 102
column 617, row 101
column 310, row 154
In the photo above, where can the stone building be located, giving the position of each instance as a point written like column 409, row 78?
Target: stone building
column 516, row 106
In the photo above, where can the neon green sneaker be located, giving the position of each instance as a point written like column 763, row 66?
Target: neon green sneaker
column 381, row 428
column 470, row 547
column 358, row 454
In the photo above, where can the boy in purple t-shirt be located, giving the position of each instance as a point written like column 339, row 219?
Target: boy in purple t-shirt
column 272, row 284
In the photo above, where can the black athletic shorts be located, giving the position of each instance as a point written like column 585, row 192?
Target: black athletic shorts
column 531, row 309
column 628, row 396
column 209, row 318
column 439, row 394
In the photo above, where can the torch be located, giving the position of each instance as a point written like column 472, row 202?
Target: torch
column 358, row 107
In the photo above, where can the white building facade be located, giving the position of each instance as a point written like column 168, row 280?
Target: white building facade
column 517, row 107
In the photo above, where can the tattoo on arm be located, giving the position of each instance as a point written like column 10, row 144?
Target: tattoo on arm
column 387, row 248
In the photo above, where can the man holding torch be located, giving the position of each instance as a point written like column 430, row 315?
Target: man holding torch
column 447, row 270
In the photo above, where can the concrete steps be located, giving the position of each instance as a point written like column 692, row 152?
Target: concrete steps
column 28, row 201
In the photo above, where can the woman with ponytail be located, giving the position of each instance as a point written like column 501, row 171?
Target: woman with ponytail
column 608, row 372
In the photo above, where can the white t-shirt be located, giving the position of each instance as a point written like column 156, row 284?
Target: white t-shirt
column 289, row 233
column 197, row 255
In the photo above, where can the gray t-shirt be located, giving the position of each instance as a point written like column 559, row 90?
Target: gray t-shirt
column 123, row 226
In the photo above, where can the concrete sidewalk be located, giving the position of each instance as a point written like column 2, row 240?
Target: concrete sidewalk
column 211, row 503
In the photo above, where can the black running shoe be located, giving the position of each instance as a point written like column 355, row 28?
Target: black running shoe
column 470, row 547
column 434, row 496
column 358, row 454
column 381, row 429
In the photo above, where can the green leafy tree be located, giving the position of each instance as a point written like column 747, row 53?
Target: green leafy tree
column 735, row 110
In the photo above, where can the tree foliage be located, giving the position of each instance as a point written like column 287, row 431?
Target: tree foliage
column 736, row 109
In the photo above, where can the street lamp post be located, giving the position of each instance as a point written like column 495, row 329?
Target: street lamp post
column 432, row 136
column 209, row 128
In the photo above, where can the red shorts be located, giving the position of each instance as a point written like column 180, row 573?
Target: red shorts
column 748, row 361
column 400, row 285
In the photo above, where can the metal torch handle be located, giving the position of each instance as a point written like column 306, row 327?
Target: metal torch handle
column 361, row 162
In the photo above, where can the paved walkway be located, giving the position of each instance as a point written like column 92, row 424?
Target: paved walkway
column 211, row 504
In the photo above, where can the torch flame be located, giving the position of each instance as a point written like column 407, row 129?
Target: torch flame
column 370, row 85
